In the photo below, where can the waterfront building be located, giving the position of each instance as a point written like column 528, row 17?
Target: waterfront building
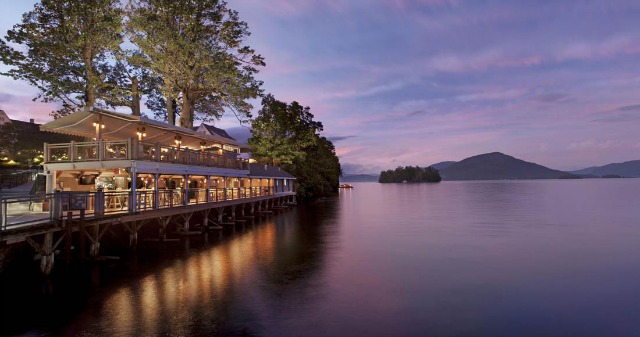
column 131, row 170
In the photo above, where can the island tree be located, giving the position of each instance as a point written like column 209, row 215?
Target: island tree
column 410, row 174
column 197, row 50
column 62, row 48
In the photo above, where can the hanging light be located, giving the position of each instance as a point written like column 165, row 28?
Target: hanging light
column 178, row 140
column 141, row 132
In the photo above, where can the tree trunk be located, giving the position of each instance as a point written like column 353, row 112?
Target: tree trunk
column 135, row 102
column 90, row 88
column 186, row 115
column 171, row 113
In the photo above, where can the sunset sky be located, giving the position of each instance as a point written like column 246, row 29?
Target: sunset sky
column 400, row 82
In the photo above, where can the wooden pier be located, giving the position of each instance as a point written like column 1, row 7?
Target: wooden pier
column 57, row 232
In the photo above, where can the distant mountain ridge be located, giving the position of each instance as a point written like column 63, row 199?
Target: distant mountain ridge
column 355, row 178
column 630, row 169
column 442, row 165
column 499, row 166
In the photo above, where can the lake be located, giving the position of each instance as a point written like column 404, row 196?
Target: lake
column 504, row 258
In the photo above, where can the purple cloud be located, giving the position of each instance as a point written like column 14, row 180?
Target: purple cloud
column 423, row 81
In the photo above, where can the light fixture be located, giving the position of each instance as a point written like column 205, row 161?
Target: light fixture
column 141, row 132
column 98, row 126
column 178, row 140
column 202, row 145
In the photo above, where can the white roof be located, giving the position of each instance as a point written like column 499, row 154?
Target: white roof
column 120, row 126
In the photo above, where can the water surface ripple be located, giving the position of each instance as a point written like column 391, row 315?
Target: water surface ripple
column 506, row 258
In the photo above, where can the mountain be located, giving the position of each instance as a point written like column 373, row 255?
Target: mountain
column 499, row 166
column 355, row 178
column 442, row 165
column 627, row 169
column 240, row 133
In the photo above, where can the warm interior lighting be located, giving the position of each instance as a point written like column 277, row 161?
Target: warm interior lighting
column 178, row 140
column 202, row 145
column 141, row 132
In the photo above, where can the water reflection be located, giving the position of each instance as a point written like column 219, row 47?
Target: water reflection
column 227, row 288
column 536, row 258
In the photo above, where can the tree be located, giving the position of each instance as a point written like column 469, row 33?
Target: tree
column 8, row 139
column 282, row 132
column 196, row 49
column 318, row 172
column 410, row 174
column 126, row 80
column 286, row 134
column 62, row 48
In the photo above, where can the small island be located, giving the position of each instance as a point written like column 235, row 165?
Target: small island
column 410, row 174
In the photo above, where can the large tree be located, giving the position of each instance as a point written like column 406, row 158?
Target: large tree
column 197, row 50
column 62, row 47
column 282, row 131
column 286, row 135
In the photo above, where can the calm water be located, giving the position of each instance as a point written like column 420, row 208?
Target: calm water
column 508, row 258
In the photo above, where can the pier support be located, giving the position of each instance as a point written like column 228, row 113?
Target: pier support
column 46, row 250
column 162, row 231
column 133, row 228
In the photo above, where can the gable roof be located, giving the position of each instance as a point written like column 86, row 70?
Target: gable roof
column 122, row 126
column 214, row 131
column 4, row 119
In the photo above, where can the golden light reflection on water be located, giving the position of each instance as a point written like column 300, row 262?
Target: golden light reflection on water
column 150, row 304
column 166, row 302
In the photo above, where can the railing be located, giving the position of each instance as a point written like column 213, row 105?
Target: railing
column 46, row 208
column 11, row 180
column 132, row 149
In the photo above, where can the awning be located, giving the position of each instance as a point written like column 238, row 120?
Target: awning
column 118, row 126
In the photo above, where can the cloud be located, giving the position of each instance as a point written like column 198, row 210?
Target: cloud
column 621, row 114
column 592, row 144
column 634, row 107
column 5, row 98
column 553, row 97
column 336, row 139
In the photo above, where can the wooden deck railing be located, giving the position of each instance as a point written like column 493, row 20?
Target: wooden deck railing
column 13, row 179
column 132, row 149
column 50, row 208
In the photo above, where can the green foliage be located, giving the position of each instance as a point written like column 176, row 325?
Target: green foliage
column 8, row 139
column 23, row 142
column 196, row 49
column 282, row 132
column 318, row 172
column 410, row 174
column 62, row 48
column 286, row 134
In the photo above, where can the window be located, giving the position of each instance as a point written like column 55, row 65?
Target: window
column 87, row 179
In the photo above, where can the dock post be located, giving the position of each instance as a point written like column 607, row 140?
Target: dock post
column 83, row 238
column 46, row 258
column 56, row 205
column 220, row 212
column 3, row 214
column 67, row 240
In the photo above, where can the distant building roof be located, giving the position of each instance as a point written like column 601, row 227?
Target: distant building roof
column 4, row 119
column 212, row 130
column 266, row 171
